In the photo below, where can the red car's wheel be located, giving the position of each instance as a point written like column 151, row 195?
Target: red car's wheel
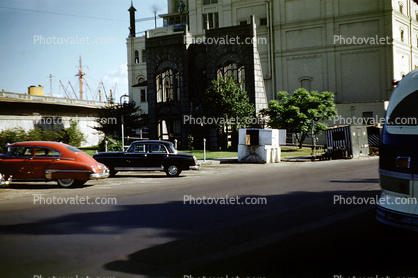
column 66, row 182
column 70, row 182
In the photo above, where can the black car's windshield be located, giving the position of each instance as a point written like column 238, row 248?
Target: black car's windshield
column 171, row 148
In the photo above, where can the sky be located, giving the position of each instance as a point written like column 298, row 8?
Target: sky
column 39, row 38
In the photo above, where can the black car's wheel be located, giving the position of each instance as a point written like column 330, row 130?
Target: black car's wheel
column 172, row 171
column 112, row 172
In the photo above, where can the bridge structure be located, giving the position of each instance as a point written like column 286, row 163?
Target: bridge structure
column 29, row 111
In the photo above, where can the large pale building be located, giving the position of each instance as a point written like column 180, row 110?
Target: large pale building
column 354, row 48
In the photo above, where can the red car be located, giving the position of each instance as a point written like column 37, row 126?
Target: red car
column 49, row 161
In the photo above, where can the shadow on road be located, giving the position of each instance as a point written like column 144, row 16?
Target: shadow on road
column 358, row 245
column 41, row 185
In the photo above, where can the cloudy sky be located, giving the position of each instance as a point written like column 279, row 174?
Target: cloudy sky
column 43, row 37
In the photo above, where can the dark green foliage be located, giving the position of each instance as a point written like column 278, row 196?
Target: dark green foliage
column 112, row 145
column 72, row 135
column 225, row 100
column 109, row 119
column 190, row 139
column 296, row 112
column 11, row 135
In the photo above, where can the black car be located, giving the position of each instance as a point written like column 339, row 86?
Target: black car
column 149, row 155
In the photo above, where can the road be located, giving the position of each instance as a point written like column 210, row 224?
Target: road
column 299, row 228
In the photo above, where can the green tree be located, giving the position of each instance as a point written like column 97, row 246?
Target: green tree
column 296, row 112
column 228, row 104
column 109, row 119
column 226, row 100
column 112, row 144
column 72, row 135
column 10, row 136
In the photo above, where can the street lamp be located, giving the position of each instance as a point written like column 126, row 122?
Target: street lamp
column 122, row 123
column 315, row 119
column 120, row 101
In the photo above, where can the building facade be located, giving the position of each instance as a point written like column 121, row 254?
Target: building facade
column 353, row 48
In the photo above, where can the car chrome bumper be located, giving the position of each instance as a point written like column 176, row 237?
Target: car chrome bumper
column 102, row 175
column 194, row 167
column 397, row 218
column 4, row 182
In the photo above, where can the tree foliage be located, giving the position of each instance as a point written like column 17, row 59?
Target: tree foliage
column 109, row 120
column 70, row 135
column 112, row 144
column 296, row 112
column 225, row 101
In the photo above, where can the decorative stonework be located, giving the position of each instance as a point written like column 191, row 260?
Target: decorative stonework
column 197, row 66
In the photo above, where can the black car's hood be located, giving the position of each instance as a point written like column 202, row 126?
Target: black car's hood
column 109, row 154
column 183, row 154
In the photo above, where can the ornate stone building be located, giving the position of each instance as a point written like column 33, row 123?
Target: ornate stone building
column 354, row 48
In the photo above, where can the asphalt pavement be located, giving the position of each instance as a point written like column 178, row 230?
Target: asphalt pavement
column 299, row 231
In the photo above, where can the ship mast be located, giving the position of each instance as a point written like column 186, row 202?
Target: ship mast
column 80, row 76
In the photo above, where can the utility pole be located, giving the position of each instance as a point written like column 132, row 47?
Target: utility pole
column 50, row 84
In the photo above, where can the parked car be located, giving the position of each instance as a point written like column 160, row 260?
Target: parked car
column 49, row 161
column 149, row 155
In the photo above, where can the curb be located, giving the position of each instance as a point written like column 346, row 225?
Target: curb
column 297, row 159
column 219, row 161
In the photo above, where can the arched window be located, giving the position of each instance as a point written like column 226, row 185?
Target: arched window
column 136, row 56
column 234, row 70
column 401, row 7
column 168, row 86
column 142, row 91
column 402, row 35
column 144, row 56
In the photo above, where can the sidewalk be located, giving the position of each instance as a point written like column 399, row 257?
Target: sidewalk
column 230, row 160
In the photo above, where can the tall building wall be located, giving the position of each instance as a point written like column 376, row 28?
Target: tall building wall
column 315, row 43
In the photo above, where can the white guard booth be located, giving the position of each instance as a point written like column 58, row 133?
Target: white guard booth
column 260, row 145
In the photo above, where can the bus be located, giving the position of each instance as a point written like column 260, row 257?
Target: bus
column 398, row 163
